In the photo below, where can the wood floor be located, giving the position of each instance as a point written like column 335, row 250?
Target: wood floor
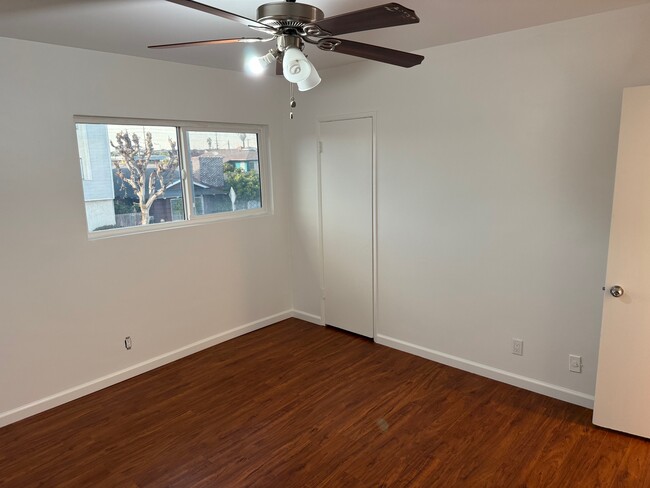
column 296, row 405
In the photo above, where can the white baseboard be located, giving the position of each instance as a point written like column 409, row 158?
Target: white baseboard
column 308, row 317
column 524, row 382
column 75, row 392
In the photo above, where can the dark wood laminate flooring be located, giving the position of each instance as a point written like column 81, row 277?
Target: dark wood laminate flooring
column 296, row 405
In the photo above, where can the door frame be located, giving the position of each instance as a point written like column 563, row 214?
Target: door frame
column 336, row 118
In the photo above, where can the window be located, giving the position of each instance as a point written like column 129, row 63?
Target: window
column 225, row 160
column 177, row 207
column 141, row 175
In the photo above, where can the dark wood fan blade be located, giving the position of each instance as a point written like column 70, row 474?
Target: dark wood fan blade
column 387, row 15
column 278, row 67
column 222, row 13
column 209, row 42
column 368, row 51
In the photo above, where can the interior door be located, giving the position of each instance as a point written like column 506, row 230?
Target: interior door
column 623, row 379
column 346, row 175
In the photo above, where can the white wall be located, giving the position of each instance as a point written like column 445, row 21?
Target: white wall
column 495, row 176
column 66, row 303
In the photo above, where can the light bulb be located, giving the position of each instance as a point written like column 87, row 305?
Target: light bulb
column 295, row 66
column 257, row 65
column 254, row 66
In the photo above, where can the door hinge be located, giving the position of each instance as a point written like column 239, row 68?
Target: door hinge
column 320, row 147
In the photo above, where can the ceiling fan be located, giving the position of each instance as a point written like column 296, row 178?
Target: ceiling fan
column 292, row 25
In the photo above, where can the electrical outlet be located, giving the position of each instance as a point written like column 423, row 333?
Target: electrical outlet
column 517, row 347
column 575, row 363
column 127, row 342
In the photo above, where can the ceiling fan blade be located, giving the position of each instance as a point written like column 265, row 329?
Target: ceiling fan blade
column 210, row 42
column 387, row 15
column 222, row 13
column 278, row 67
column 368, row 51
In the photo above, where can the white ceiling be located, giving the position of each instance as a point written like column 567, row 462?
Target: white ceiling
column 128, row 26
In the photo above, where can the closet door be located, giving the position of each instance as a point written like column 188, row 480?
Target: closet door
column 346, row 175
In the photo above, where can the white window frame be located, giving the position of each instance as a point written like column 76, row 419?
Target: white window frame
column 185, row 166
column 262, row 148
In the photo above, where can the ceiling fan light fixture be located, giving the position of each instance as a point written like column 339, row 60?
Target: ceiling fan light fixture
column 257, row 65
column 291, row 24
column 295, row 66
column 312, row 81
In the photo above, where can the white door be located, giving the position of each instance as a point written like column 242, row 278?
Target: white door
column 346, row 177
column 623, row 380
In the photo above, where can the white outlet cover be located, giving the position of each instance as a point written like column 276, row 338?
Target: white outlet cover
column 575, row 363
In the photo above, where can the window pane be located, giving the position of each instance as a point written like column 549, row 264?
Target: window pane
column 225, row 171
column 198, row 205
column 135, row 175
column 177, row 208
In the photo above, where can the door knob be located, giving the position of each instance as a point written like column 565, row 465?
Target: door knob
column 617, row 291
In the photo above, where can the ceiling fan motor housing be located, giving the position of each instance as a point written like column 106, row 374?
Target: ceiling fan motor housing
column 288, row 15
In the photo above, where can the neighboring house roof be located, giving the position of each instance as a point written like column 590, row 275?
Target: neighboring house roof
column 153, row 157
column 238, row 155
column 196, row 183
column 173, row 189
column 242, row 154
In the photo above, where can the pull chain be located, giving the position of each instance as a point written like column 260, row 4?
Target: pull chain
column 292, row 101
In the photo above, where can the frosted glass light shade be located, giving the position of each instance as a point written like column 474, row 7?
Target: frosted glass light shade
column 295, row 66
column 311, row 82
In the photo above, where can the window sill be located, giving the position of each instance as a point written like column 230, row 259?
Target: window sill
column 201, row 220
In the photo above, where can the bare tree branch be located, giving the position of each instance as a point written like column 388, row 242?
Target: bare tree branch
column 137, row 159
